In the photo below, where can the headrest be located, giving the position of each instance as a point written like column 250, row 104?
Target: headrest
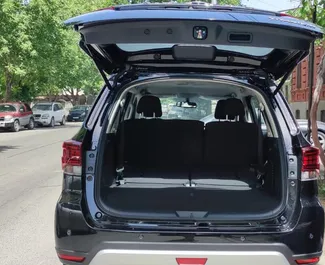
column 219, row 112
column 234, row 107
column 149, row 106
column 229, row 108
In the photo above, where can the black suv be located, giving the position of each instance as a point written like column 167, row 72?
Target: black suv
column 145, row 188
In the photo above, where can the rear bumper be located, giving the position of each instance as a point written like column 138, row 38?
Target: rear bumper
column 126, row 253
column 75, row 236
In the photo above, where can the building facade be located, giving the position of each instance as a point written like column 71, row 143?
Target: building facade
column 300, row 84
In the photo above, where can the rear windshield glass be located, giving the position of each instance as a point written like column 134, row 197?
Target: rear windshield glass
column 79, row 108
column 42, row 107
column 254, row 51
column 174, row 109
column 7, row 108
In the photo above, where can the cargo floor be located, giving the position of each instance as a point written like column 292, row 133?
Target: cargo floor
column 221, row 199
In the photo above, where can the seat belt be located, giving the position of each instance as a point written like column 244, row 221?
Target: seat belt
column 261, row 165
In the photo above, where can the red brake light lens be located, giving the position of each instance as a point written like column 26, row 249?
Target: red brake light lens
column 191, row 261
column 285, row 15
column 310, row 159
column 310, row 163
column 71, row 258
column 307, row 261
column 71, row 153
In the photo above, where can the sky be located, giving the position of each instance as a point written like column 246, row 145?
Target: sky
column 273, row 5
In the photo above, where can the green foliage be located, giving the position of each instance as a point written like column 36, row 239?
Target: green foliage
column 39, row 55
column 305, row 11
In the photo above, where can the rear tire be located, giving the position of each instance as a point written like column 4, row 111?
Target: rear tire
column 31, row 124
column 16, row 126
column 63, row 121
column 52, row 122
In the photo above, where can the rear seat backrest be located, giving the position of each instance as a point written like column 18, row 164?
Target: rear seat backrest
column 230, row 145
column 169, row 148
column 135, row 134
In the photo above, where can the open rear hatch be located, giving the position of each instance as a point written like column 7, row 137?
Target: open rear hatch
column 185, row 39
column 167, row 37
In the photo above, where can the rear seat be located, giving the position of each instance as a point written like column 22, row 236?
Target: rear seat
column 230, row 147
column 155, row 148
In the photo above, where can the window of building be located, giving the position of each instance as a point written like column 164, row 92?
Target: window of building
column 299, row 76
column 322, row 115
column 287, row 92
column 297, row 114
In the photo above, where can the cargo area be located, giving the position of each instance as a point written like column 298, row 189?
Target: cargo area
column 217, row 162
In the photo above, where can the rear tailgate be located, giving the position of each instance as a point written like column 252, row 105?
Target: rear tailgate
column 104, row 31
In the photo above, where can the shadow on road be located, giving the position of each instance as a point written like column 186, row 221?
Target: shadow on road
column 4, row 148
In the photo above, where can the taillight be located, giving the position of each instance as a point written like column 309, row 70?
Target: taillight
column 307, row 261
column 71, row 258
column 310, row 163
column 71, row 157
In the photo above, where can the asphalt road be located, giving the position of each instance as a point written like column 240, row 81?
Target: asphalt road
column 30, row 182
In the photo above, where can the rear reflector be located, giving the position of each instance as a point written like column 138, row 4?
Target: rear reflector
column 71, row 258
column 191, row 261
column 310, row 163
column 307, row 261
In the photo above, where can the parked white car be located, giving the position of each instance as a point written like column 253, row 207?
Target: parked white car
column 48, row 114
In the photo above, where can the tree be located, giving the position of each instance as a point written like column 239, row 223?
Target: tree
column 15, row 44
column 314, row 10
column 39, row 55
column 305, row 11
column 316, row 97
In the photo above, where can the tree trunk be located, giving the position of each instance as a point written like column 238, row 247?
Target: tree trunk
column 313, row 113
column 8, row 85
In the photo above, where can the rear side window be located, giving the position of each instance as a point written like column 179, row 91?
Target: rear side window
column 173, row 108
column 28, row 107
column 21, row 108
column 256, row 109
column 56, row 107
